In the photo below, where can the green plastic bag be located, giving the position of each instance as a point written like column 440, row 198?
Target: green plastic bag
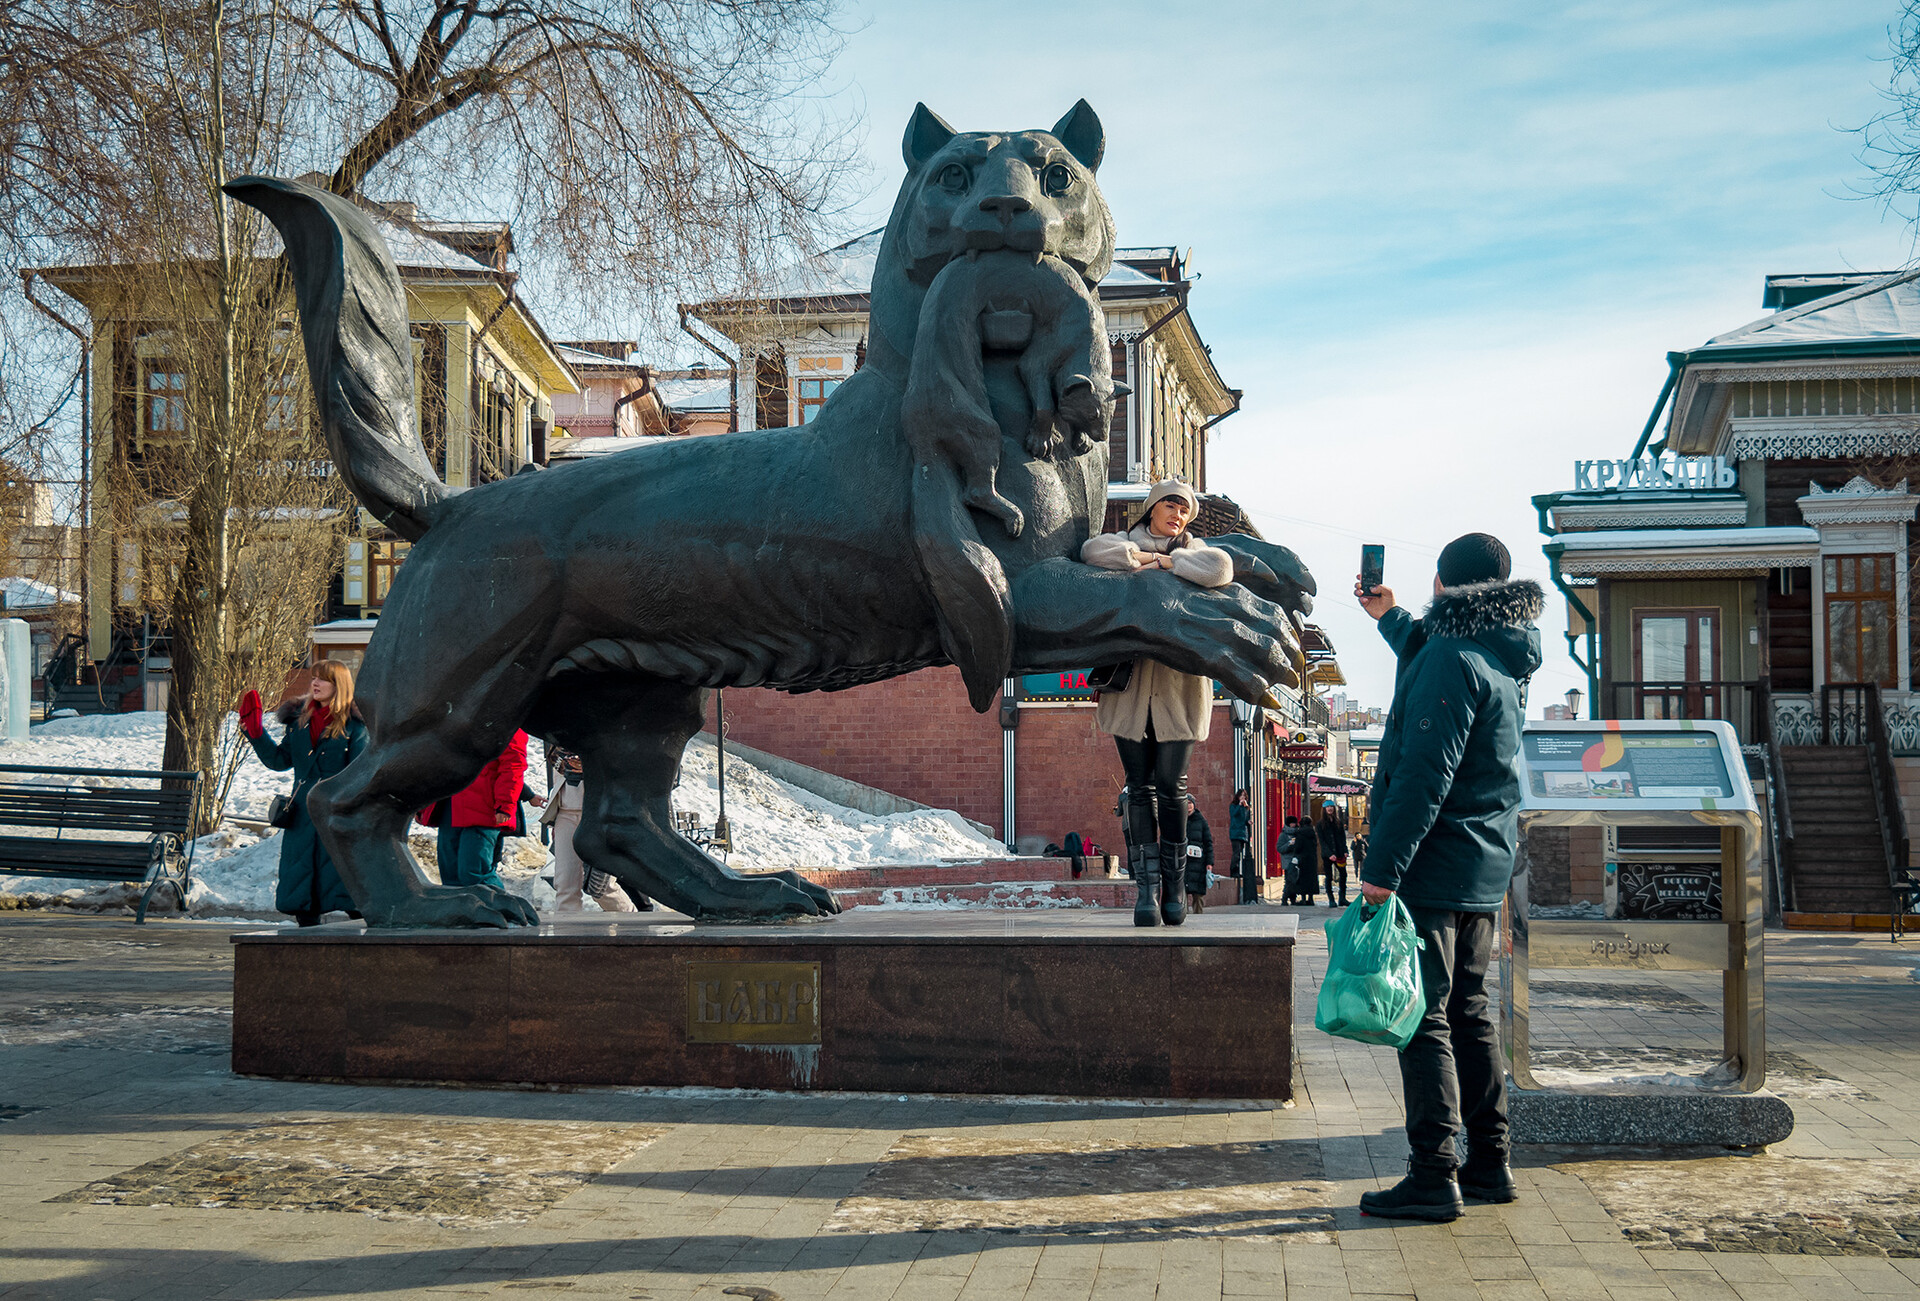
column 1373, row 992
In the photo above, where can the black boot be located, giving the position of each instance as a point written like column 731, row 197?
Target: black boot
column 1146, row 871
column 1489, row 1179
column 1427, row 1193
column 1173, row 879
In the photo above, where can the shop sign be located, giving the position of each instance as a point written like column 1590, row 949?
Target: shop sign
column 1654, row 473
column 1070, row 684
column 1301, row 755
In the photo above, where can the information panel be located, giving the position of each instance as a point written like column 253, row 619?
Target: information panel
column 1662, row 765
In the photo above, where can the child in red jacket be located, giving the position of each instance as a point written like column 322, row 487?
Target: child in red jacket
column 473, row 821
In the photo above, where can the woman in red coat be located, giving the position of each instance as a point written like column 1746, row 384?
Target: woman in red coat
column 472, row 822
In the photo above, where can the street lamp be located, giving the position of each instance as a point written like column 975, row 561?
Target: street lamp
column 1573, row 702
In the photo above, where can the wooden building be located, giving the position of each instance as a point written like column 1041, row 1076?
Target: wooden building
column 1751, row 560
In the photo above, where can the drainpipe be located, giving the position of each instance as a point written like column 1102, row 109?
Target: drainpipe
column 733, row 369
column 1233, row 410
column 1676, row 362
column 646, row 386
column 1009, row 723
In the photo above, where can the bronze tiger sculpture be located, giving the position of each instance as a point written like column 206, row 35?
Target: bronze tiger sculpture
column 595, row 603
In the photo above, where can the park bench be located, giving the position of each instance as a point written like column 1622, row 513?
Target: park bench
column 93, row 831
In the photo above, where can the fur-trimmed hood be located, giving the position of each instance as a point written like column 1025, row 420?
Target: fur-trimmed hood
column 1498, row 616
column 289, row 710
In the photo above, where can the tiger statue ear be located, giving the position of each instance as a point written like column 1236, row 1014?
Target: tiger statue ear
column 927, row 134
column 1080, row 131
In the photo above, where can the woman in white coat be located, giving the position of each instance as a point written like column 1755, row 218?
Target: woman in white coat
column 566, row 798
column 1159, row 715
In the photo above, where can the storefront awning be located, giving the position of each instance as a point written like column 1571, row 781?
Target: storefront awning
column 1320, row 783
column 1728, row 552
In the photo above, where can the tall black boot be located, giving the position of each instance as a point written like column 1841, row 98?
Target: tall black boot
column 1173, row 879
column 1146, row 871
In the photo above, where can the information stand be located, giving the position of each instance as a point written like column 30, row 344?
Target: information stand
column 1680, row 819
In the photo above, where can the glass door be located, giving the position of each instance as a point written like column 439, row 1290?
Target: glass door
column 1675, row 655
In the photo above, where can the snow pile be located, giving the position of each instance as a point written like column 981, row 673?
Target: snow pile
column 774, row 824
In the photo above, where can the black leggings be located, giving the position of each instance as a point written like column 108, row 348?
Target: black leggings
column 1156, row 772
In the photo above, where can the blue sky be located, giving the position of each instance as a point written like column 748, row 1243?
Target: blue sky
column 1443, row 248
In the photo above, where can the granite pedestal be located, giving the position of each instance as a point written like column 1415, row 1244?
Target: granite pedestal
column 1081, row 1004
column 1648, row 1120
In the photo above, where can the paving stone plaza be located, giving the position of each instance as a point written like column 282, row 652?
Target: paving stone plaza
column 134, row 1164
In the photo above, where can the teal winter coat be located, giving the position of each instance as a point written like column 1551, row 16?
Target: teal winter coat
column 1445, row 809
column 308, row 881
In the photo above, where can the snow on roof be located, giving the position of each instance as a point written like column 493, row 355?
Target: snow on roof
column 847, row 269
column 588, row 359
column 415, row 251
column 573, row 449
column 1886, row 307
column 693, row 394
column 31, row 594
column 1675, row 539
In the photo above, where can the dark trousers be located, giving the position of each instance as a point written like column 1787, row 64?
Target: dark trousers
column 1156, row 788
column 1451, row 1072
column 1336, row 872
column 469, row 856
column 1243, row 869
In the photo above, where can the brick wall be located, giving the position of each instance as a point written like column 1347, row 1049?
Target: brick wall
column 1549, row 866
column 1069, row 777
column 917, row 736
column 1586, row 863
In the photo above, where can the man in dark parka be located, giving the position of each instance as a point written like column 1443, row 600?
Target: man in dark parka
column 1332, row 833
column 1444, row 820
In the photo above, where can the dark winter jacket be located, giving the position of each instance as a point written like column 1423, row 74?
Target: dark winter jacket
column 1199, row 833
column 1446, row 800
column 1239, row 822
column 308, row 882
column 1333, row 838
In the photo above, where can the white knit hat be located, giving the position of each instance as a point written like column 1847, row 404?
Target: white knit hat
column 1172, row 488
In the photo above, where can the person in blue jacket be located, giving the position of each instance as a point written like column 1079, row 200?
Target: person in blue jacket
column 324, row 734
column 1444, row 819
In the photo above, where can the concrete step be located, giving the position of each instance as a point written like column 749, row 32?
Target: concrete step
column 970, row 873
column 1012, row 883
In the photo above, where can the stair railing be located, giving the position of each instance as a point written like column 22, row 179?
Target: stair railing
column 1860, row 716
column 61, row 664
column 1780, row 823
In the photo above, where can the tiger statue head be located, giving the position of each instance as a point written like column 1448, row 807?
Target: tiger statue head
column 974, row 191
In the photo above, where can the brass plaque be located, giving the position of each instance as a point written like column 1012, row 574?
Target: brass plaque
column 1629, row 945
column 753, row 1002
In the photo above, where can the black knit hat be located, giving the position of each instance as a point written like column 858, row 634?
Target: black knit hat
column 1474, row 558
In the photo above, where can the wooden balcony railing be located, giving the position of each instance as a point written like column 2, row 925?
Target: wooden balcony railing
column 1739, row 703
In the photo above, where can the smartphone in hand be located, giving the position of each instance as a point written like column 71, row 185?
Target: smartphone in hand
column 1373, row 567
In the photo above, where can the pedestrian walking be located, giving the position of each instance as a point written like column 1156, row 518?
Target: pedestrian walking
column 1289, row 846
column 1199, row 857
column 1239, row 836
column 324, row 733
column 1444, row 818
column 1160, row 713
column 472, row 823
column 566, row 800
column 1332, row 834
column 1307, row 841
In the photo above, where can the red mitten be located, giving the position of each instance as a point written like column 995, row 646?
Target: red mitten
column 250, row 715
